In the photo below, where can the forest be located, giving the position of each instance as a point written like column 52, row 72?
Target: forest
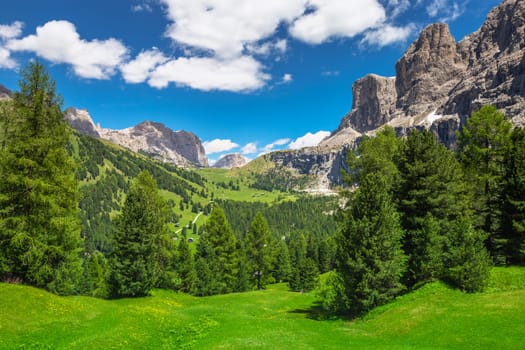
column 78, row 216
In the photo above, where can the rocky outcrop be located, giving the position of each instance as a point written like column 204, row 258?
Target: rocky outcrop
column 428, row 70
column 229, row 161
column 5, row 94
column 80, row 120
column 373, row 103
column 177, row 147
column 154, row 139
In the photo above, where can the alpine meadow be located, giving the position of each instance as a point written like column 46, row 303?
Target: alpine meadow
column 403, row 228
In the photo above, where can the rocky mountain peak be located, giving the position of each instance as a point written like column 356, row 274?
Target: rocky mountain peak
column 5, row 94
column 80, row 120
column 229, row 161
column 428, row 70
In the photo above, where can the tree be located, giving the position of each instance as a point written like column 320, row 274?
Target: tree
column 259, row 251
column 282, row 267
column 432, row 193
column 139, row 230
column 513, row 220
column 483, row 143
column 370, row 259
column 40, row 240
column 304, row 271
column 220, row 254
column 185, row 267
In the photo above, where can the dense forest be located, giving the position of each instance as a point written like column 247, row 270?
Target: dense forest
column 80, row 216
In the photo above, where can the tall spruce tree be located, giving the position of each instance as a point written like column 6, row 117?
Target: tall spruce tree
column 483, row 143
column 139, row 231
column 259, row 251
column 513, row 221
column 431, row 195
column 185, row 266
column 39, row 227
column 220, row 256
column 304, row 272
column 282, row 267
column 370, row 260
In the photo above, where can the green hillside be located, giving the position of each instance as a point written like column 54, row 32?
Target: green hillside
column 433, row 317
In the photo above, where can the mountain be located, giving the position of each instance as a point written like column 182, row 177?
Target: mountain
column 229, row 161
column 154, row 139
column 439, row 82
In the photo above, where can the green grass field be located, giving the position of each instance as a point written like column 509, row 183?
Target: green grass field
column 433, row 317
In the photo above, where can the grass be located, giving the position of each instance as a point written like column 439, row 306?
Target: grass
column 433, row 317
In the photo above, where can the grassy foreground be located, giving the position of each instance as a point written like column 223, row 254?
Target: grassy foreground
column 433, row 317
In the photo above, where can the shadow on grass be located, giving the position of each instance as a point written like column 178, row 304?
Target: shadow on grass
column 317, row 313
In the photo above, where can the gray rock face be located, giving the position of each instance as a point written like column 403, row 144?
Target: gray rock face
column 229, row 161
column 5, row 94
column 80, row 120
column 177, row 147
column 373, row 103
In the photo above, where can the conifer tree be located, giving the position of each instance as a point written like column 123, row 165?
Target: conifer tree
column 513, row 221
column 39, row 227
column 139, row 230
column 483, row 143
column 304, row 272
column 185, row 267
column 220, row 254
column 282, row 267
column 370, row 259
column 259, row 251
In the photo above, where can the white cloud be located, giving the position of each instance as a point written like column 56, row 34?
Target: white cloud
column 271, row 146
column 225, row 27
column 445, row 9
column 397, row 7
column 139, row 70
column 309, row 140
column 249, row 148
column 240, row 74
column 11, row 31
column 5, row 60
column 143, row 7
column 218, row 146
column 337, row 18
column 59, row 42
column 387, row 35
column 287, row 78
column 281, row 45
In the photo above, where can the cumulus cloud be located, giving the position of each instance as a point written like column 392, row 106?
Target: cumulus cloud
column 337, row 18
column 203, row 73
column 309, row 140
column 398, row 7
column 5, row 59
column 59, row 42
column 444, row 9
column 218, row 146
column 271, row 146
column 387, row 35
column 139, row 69
column 249, row 148
column 11, row 31
column 287, row 78
column 226, row 26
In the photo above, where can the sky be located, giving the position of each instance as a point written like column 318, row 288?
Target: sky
column 246, row 76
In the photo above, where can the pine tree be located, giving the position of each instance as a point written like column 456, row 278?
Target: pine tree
column 304, row 272
column 185, row 267
column 483, row 143
column 258, row 251
column 220, row 255
column 370, row 259
column 139, row 230
column 432, row 193
column 282, row 267
column 39, row 228
column 513, row 221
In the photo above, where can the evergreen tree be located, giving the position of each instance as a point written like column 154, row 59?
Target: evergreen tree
column 95, row 279
column 513, row 211
column 185, row 267
column 220, row 255
column 258, row 251
column 205, row 279
column 304, row 272
column 370, row 259
column 282, row 268
column 483, row 143
column 39, row 228
column 139, row 231
column 432, row 193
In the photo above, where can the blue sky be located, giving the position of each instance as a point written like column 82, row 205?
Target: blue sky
column 246, row 76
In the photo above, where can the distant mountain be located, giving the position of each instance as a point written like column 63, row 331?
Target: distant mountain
column 438, row 84
column 4, row 93
column 229, row 161
column 154, row 139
